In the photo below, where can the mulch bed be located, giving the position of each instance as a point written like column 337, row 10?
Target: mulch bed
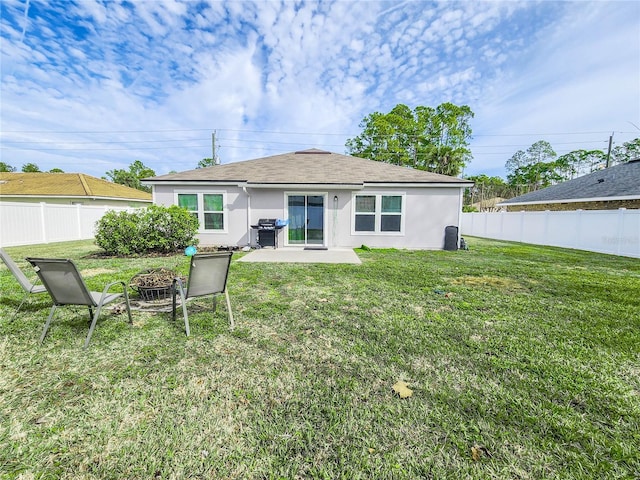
column 220, row 248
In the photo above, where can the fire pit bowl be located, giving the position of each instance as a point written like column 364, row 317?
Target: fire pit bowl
column 153, row 284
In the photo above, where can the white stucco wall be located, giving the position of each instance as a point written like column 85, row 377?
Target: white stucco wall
column 427, row 211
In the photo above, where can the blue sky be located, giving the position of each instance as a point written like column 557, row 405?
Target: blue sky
column 90, row 86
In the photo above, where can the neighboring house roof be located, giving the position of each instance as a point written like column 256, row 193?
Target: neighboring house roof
column 620, row 182
column 308, row 167
column 76, row 185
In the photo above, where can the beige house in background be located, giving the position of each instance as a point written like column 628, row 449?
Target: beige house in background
column 68, row 189
column 324, row 199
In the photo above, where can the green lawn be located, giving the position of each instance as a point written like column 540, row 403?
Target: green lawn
column 527, row 358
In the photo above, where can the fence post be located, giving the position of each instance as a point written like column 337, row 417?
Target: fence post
column 621, row 212
column 579, row 241
column 79, row 220
column 43, row 222
column 546, row 228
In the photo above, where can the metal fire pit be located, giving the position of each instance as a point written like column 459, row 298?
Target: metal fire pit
column 154, row 284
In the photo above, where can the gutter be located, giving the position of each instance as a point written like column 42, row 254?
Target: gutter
column 246, row 191
column 313, row 186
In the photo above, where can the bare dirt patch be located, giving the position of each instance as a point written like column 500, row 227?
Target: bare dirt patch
column 506, row 284
column 92, row 272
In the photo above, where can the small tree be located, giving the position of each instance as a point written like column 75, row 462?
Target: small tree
column 30, row 168
column 131, row 178
column 5, row 167
column 206, row 162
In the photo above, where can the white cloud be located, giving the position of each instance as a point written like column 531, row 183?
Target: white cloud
column 151, row 76
column 571, row 82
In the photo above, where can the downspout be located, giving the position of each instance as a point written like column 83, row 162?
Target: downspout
column 460, row 204
column 246, row 192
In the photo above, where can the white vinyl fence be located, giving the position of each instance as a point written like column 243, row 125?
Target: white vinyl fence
column 615, row 232
column 32, row 223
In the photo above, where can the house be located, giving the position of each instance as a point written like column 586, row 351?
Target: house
column 609, row 189
column 488, row 204
column 69, row 189
column 326, row 200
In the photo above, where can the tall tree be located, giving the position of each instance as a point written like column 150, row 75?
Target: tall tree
column 579, row 162
column 627, row 151
column 426, row 138
column 486, row 188
column 533, row 169
column 534, row 176
column 30, row 168
column 131, row 178
column 5, row 167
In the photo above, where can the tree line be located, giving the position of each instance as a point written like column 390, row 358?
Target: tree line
column 539, row 167
column 435, row 139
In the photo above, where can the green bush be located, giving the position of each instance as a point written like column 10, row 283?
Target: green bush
column 153, row 229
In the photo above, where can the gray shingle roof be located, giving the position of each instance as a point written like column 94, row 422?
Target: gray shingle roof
column 308, row 167
column 618, row 181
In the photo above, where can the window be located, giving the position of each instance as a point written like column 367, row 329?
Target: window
column 208, row 208
column 213, row 215
column 391, row 214
column 378, row 213
column 365, row 213
column 190, row 202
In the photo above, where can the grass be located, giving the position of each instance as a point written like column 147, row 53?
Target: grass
column 528, row 355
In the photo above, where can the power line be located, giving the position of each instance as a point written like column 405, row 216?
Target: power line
column 102, row 149
column 280, row 132
column 108, row 131
column 102, row 141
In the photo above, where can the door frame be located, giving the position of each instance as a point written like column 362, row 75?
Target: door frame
column 325, row 196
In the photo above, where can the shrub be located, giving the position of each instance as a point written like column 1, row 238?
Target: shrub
column 153, row 229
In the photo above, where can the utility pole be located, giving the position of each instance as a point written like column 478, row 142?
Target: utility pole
column 213, row 148
column 609, row 151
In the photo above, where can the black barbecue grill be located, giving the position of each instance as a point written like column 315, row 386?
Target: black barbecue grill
column 267, row 232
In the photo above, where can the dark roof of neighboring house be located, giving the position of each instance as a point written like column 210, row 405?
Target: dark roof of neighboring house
column 619, row 181
column 308, row 167
column 66, row 185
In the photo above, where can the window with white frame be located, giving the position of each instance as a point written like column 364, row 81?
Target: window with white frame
column 208, row 208
column 378, row 213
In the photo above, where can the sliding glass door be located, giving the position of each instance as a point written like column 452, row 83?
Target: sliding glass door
column 306, row 219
